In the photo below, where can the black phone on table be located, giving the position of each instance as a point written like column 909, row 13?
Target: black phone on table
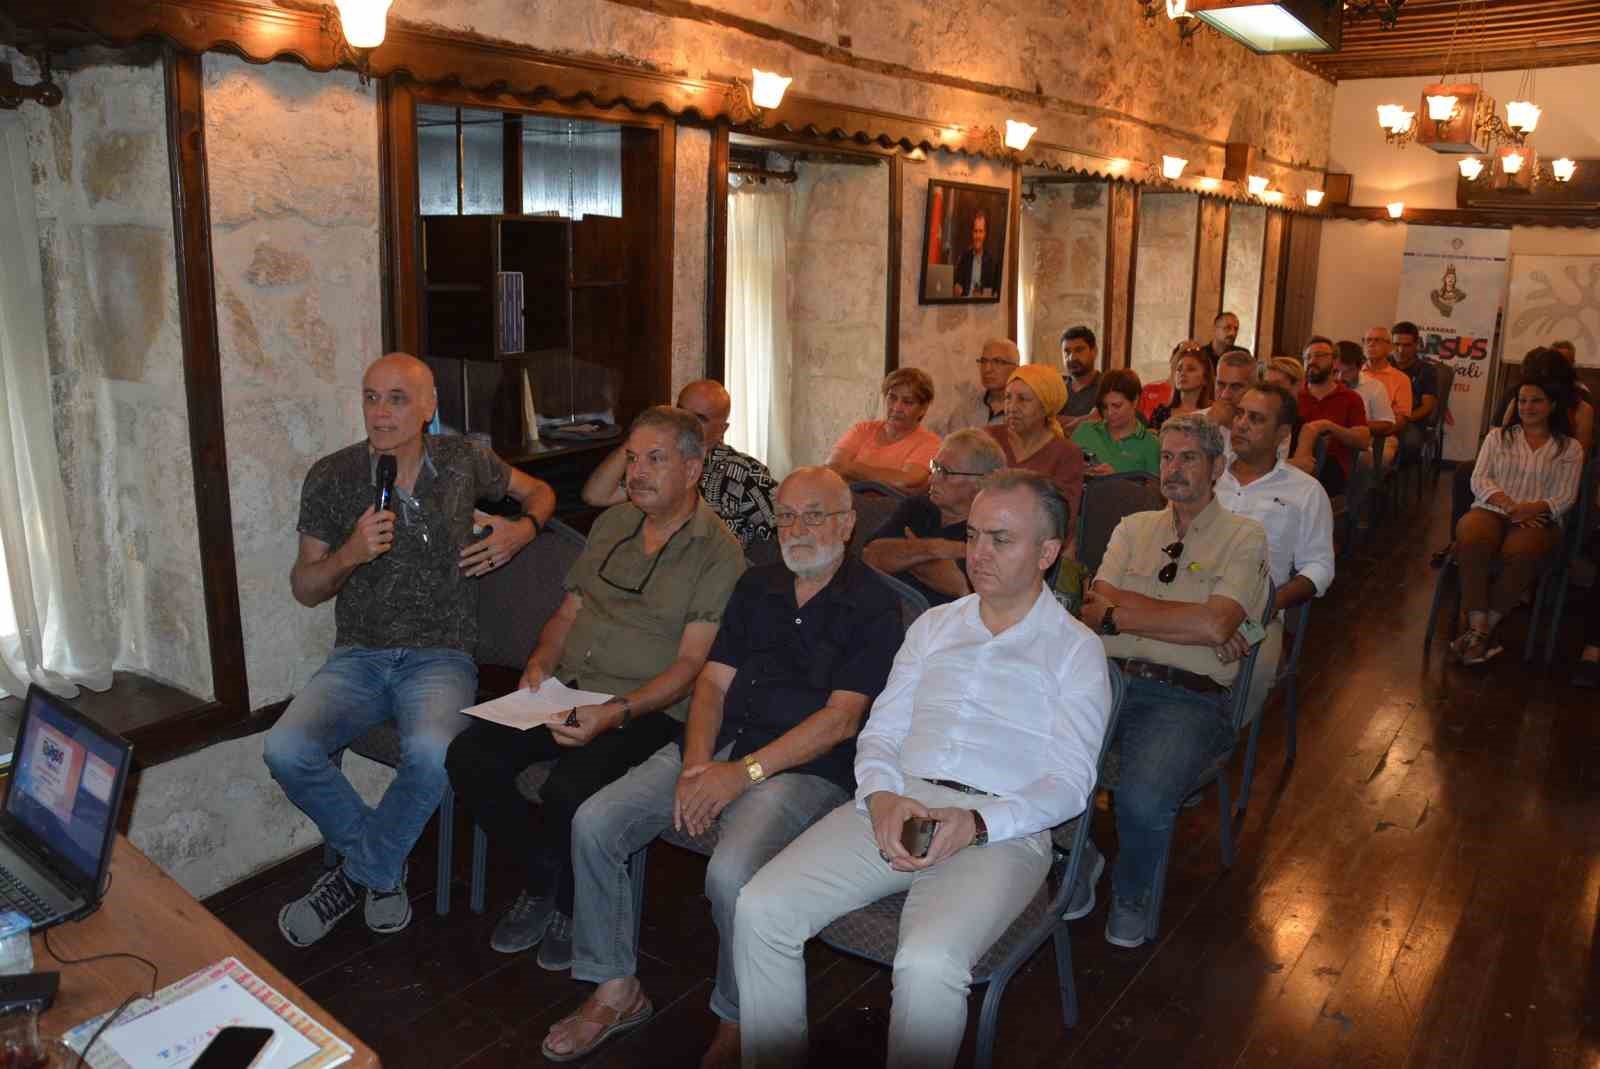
column 236, row 1047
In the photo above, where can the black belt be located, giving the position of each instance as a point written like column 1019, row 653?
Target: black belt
column 962, row 787
column 1164, row 673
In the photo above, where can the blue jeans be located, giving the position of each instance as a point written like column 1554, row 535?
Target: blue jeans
column 1166, row 736
column 632, row 811
column 423, row 691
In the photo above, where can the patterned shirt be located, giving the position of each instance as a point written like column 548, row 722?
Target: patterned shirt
column 739, row 488
column 413, row 596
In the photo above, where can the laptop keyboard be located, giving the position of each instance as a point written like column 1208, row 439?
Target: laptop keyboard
column 22, row 898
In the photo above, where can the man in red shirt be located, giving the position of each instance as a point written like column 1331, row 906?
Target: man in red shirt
column 1327, row 406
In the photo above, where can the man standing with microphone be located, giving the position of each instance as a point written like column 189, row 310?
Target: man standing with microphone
column 386, row 528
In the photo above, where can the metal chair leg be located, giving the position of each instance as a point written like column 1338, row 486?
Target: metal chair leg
column 480, row 866
column 1067, row 983
column 1249, row 763
column 447, row 831
column 1445, row 577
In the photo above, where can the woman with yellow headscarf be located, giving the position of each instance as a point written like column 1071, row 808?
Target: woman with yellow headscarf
column 1030, row 436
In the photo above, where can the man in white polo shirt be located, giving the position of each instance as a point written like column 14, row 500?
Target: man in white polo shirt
column 1291, row 505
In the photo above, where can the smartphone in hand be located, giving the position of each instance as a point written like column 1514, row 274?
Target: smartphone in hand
column 916, row 835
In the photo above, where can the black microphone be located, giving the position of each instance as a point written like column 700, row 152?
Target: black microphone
column 387, row 469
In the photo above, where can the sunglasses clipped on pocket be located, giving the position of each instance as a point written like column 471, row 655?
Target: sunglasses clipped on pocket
column 1169, row 571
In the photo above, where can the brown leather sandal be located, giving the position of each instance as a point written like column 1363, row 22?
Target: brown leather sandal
column 613, row 1021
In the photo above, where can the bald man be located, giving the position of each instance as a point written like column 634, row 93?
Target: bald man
column 985, row 404
column 738, row 487
column 407, row 615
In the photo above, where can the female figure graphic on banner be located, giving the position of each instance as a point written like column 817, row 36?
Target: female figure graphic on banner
column 1446, row 297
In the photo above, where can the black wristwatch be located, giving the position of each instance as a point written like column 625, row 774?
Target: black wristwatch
column 537, row 526
column 1108, row 622
column 980, row 830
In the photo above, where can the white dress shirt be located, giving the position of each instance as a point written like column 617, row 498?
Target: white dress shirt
column 1020, row 714
column 1294, row 509
column 1550, row 473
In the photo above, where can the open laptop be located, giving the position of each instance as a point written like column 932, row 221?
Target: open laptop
column 939, row 282
column 60, row 816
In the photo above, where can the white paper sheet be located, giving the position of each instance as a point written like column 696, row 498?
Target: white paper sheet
column 524, row 709
column 174, row 1036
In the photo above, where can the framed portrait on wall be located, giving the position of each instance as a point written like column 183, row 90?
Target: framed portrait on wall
column 964, row 243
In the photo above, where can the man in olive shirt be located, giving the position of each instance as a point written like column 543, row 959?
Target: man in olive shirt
column 925, row 541
column 407, row 616
column 1173, row 589
column 642, row 608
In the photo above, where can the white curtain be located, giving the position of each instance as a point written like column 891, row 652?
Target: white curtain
column 43, row 638
column 757, row 370
column 1026, row 287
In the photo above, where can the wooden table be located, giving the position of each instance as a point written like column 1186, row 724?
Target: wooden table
column 149, row 914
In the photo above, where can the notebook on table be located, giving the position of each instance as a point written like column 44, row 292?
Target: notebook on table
column 59, row 821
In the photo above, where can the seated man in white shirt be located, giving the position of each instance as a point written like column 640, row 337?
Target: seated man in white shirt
column 1380, row 410
column 1291, row 505
column 991, row 725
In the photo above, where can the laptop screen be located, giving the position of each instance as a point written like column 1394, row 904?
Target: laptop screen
column 66, row 782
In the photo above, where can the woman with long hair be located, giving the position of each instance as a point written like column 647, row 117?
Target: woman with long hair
column 1194, row 384
column 1525, row 479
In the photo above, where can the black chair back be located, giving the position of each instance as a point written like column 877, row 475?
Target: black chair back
column 515, row 600
column 874, row 504
column 1106, row 500
column 912, row 603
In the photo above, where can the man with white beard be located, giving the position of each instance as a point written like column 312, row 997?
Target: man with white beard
column 768, row 748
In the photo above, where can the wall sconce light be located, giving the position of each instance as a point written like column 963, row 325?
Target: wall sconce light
column 1172, row 167
column 1018, row 134
column 1257, row 184
column 1397, row 122
column 364, row 21
column 1314, row 198
column 1396, row 209
column 1471, row 168
column 1564, row 168
column 767, row 88
column 1523, row 116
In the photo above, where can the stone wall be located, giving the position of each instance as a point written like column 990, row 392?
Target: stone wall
column 1241, row 286
column 689, row 277
column 293, row 164
column 838, row 255
column 103, row 195
column 1063, row 265
column 1092, row 75
column 1163, row 280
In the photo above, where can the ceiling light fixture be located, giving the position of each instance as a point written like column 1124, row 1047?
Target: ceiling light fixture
column 364, row 21
column 1471, row 168
column 1511, row 161
column 1275, row 25
column 1172, row 167
column 1441, row 106
column 1399, row 124
column 1523, row 116
column 1564, row 168
column 1314, row 198
column 1257, row 185
column 1018, row 134
column 1396, row 208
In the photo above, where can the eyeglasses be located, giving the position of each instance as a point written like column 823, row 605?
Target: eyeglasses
column 1170, row 571
column 654, row 562
column 939, row 469
column 813, row 518
column 995, row 361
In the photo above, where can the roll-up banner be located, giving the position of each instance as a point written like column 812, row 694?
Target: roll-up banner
column 1453, row 287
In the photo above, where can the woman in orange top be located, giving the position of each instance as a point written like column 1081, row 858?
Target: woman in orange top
column 1191, row 388
column 894, row 450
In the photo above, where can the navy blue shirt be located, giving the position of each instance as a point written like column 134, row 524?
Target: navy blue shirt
column 1422, row 383
column 923, row 517
column 788, row 658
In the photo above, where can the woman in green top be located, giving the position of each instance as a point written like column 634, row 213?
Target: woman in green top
column 1118, row 441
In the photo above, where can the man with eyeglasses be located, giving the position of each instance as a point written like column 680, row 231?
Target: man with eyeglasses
column 925, row 541
column 990, row 725
column 1174, row 589
column 642, row 608
column 407, row 616
column 985, row 404
column 804, row 647
column 737, row 486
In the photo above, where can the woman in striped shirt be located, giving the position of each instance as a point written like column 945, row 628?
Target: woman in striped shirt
column 1525, row 479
